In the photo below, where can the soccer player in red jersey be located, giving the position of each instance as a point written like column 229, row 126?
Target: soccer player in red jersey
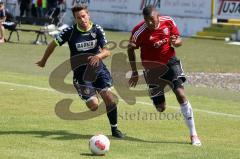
column 156, row 37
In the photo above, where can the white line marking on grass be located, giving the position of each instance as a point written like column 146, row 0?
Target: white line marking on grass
column 195, row 109
column 27, row 86
column 138, row 102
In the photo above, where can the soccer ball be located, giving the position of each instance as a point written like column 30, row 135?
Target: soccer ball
column 99, row 144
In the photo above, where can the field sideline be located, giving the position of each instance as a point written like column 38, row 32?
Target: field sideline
column 30, row 128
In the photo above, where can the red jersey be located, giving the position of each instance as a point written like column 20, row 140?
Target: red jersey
column 155, row 44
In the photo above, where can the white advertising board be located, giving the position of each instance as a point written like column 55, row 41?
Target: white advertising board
column 123, row 6
column 190, row 15
column 227, row 9
column 126, row 22
column 190, row 8
column 186, row 8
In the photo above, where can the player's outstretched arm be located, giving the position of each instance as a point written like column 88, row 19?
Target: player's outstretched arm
column 132, row 59
column 51, row 47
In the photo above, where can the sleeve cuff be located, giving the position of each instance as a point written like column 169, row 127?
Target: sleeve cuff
column 56, row 42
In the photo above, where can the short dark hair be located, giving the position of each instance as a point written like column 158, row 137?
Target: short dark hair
column 147, row 11
column 78, row 7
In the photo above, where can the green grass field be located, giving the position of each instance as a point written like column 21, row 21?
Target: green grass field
column 30, row 128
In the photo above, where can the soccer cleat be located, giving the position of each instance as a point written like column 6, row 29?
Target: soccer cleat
column 117, row 133
column 195, row 141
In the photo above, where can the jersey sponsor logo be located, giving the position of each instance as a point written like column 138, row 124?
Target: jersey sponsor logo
column 86, row 45
column 160, row 43
column 93, row 35
column 151, row 38
column 165, row 31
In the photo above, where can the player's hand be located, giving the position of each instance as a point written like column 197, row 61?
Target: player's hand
column 173, row 38
column 94, row 60
column 134, row 79
column 41, row 63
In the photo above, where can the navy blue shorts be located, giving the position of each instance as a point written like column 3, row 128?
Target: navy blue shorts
column 87, row 89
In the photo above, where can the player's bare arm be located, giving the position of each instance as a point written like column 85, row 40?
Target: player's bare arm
column 176, row 41
column 94, row 60
column 50, row 49
column 132, row 59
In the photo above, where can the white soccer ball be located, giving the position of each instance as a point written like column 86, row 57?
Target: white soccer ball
column 99, row 144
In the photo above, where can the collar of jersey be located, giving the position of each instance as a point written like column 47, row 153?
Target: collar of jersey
column 91, row 25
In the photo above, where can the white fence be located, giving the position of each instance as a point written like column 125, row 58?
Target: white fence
column 190, row 15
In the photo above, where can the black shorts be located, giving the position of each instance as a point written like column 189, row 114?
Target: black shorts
column 164, row 78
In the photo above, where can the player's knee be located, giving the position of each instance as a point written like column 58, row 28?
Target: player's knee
column 92, row 103
column 93, row 108
column 107, row 96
